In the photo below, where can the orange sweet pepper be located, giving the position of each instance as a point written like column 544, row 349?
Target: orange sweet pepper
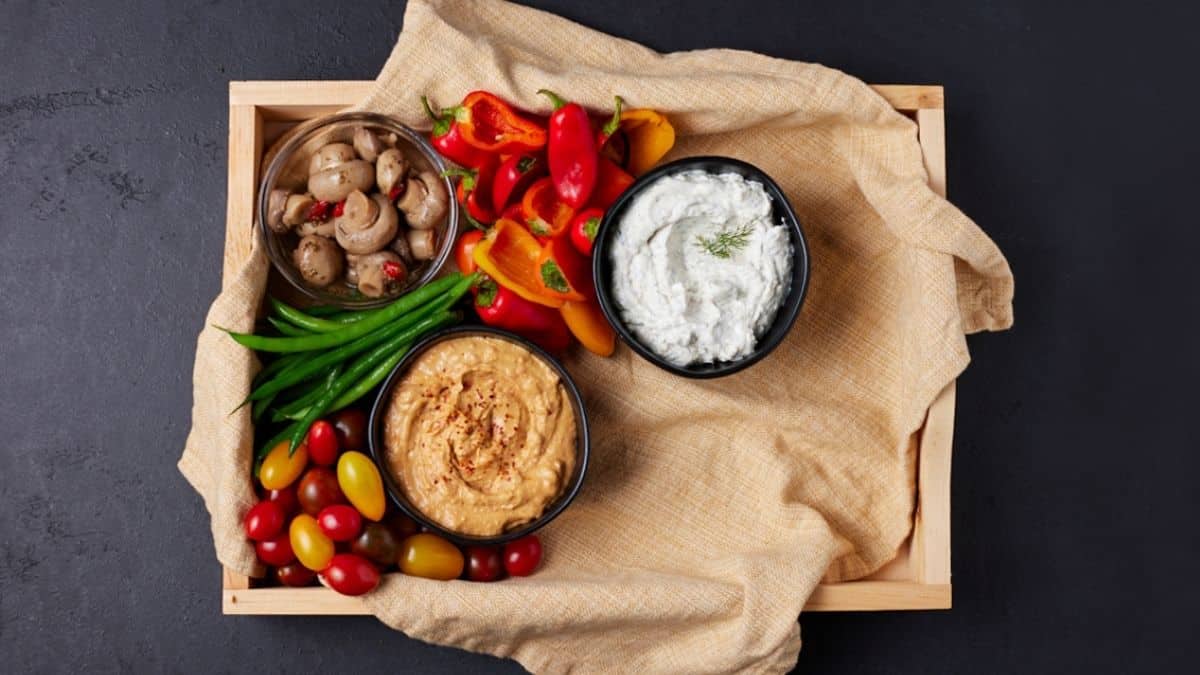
column 650, row 137
column 510, row 255
column 588, row 325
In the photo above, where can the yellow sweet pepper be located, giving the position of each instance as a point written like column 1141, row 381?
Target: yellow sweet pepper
column 650, row 137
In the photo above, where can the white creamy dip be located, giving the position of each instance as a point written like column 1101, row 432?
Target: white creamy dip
column 699, row 268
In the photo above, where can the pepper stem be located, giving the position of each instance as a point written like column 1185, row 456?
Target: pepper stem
column 610, row 127
column 441, row 123
column 555, row 99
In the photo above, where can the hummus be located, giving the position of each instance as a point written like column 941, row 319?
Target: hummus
column 699, row 268
column 480, row 435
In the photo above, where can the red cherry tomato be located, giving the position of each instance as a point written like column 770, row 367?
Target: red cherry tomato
column 286, row 499
column 340, row 522
column 322, row 443
column 522, row 556
column 351, row 427
column 318, row 489
column 276, row 551
column 350, row 574
column 464, row 250
column 294, row 574
column 583, row 234
column 484, row 563
column 264, row 520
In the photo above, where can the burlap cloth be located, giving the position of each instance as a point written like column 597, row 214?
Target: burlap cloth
column 712, row 508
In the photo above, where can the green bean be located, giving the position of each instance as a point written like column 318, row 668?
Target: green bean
column 311, row 324
column 357, row 329
column 361, row 366
column 266, row 448
column 260, row 407
column 322, row 310
column 302, row 369
column 294, row 409
column 286, row 328
column 276, row 365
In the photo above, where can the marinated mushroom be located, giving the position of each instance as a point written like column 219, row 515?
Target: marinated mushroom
column 276, row 203
column 367, row 144
column 318, row 259
column 367, row 224
column 422, row 243
column 390, row 170
column 379, row 273
column 322, row 228
column 424, row 201
column 335, row 172
column 401, row 248
column 296, row 210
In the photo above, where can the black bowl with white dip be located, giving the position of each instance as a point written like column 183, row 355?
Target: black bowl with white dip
column 701, row 266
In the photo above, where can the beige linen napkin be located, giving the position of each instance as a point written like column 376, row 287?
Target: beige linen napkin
column 711, row 509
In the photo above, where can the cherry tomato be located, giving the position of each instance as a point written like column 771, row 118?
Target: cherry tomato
column 322, row 443
column 278, row 470
column 351, row 427
column 285, row 498
column 361, row 483
column 276, row 551
column 295, row 575
column 313, row 549
column 464, row 250
column 318, row 489
column 583, row 230
column 521, row 556
column 350, row 574
column 378, row 544
column 431, row 557
column 484, row 563
column 340, row 522
column 264, row 520
column 402, row 526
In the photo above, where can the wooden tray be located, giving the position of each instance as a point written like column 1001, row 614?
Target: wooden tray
column 919, row 578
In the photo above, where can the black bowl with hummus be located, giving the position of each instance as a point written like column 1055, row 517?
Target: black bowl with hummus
column 480, row 435
column 701, row 266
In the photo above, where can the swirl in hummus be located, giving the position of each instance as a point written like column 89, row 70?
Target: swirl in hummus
column 480, row 435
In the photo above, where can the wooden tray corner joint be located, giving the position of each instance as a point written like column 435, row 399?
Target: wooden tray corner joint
column 919, row 578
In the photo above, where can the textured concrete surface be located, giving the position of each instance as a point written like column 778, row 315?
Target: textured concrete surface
column 1071, row 139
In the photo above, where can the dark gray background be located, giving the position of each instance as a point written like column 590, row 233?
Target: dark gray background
column 1070, row 137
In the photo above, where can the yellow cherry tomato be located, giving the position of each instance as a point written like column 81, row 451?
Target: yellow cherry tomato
column 313, row 549
column 361, row 483
column 429, row 556
column 278, row 470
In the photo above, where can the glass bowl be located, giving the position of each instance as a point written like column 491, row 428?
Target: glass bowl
column 289, row 170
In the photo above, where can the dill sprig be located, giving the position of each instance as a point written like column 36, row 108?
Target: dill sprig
column 726, row 243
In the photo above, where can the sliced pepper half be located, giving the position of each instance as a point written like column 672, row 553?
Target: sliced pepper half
column 510, row 254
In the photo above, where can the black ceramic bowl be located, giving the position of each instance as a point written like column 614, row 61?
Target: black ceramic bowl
column 379, row 452
column 789, row 309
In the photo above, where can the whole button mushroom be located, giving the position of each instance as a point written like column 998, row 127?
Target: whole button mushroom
column 379, row 273
column 367, row 224
column 367, row 144
column 424, row 202
column 335, row 172
column 390, row 170
column 318, row 259
column 296, row 210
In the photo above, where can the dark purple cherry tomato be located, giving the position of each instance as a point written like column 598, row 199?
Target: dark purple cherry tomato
column 294, row 574
column 484, row 563
column 340, row 522
column 264, row 520
column 378, row 544
column 286, row 498
column 276, row 551
column 350, row 574
column 522, row 556
column 351, row 427
column 318, row 489
column 322, row 443
column 402, row 526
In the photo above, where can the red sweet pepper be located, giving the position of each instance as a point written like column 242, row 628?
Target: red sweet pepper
column 513, row 176
column 488, row 123
column 571, row 151
column 544, row 211
column 474, row 192
column 447, row 138
column 515, row 212
column 503, row 308
column 612, row 126
column 611, row 181
column 563, row 272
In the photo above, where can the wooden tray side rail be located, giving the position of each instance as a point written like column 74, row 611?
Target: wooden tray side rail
column 919, row 578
